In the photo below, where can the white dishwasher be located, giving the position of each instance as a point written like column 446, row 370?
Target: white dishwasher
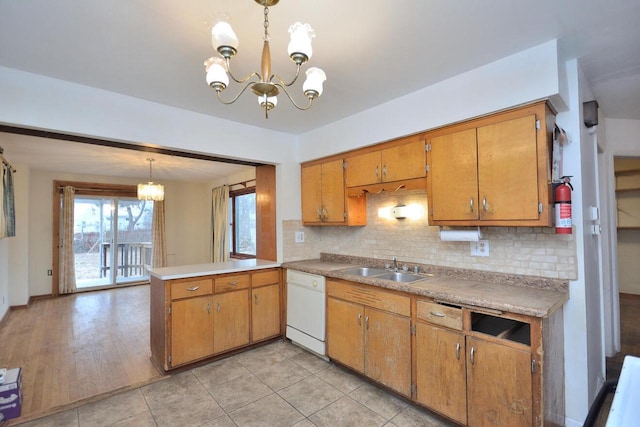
column 306, row 310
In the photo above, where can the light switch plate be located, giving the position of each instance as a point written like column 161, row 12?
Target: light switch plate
column 480, row 248
column 299, row 236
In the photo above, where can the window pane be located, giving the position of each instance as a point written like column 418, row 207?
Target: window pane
column 245, row 224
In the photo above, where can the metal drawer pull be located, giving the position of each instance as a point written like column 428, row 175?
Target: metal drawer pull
column 195, row 288
column 359, row 319
column 377, row 172
column 458, row 351
column 233, row 283
column 366, row 322
column 484, row 203
column 436, row 314
column 218, row 307
column 256, row 298
column 209, row 308
column 471, row 204
column 473, row 353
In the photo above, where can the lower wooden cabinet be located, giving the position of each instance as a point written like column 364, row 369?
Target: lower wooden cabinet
column 370, row 340
column 196, row 318
column 475, row 367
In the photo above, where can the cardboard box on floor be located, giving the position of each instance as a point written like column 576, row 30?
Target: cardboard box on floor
column 11, row 394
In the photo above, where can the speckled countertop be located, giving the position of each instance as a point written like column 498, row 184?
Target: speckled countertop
column 532, row 296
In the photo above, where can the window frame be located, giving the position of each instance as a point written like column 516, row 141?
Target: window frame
column 233, row 241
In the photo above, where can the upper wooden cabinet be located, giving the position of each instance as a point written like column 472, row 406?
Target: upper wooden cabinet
column 402, row 160
column 492, row 171
column 323, row 196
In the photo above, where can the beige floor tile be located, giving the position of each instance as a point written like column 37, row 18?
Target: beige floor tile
column 340, row 378
column 223, row 421
column 112, row 409
column 272, row 411
column 285, row 348
column 259, row 358
column 416, row 417
column 181, row 401
column 311, row 362
column 282, row 374
column 220, row 372
column 346, row 412
column 144, row 419
column 63, row 419
column 384, row 404
column 310, row 395
column 239, row 392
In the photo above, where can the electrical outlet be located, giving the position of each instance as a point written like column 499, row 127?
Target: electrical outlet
column 299, row 237
column 480, row 248
column 49, row 272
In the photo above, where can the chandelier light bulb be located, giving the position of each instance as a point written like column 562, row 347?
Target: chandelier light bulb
column 222, row 35
column 217, row 76
column 301, row 35
column 315, row 78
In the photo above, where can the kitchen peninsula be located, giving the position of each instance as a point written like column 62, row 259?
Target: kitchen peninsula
column 200, row 311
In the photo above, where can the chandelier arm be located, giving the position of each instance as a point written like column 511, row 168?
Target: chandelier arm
column 281, row 80
column 236, row 97
column 284, row 89
column 245, row 78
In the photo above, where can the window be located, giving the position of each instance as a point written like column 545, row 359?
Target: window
column 242, row 222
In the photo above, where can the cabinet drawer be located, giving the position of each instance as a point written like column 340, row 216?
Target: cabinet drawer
column 267, row 277
column 231, row 283
column 370, row 296
column 191, row 288
column 439, row 314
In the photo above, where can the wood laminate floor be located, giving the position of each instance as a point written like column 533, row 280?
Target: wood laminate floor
column 79, row 346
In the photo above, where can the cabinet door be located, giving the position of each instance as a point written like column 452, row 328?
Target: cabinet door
column 363, row 169
column 311, row 192
column 388, row 349
column 265, row 312
column 333, row 191
column 441, row 382
column 508, row 170
column 405, row 161
column 453, row 177
column 345, row 333
column 231, row 320
column 498, row 384
column 191, row 330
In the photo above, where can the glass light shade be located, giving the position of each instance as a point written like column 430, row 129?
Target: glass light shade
column 315, row 78
column 270, row 99
column 222, row 35
column 216, row 71
column 301, row 35
column 151, row 191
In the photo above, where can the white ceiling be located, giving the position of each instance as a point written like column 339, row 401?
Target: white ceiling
column 372, row 51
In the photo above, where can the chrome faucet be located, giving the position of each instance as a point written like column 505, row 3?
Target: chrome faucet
column 395, row 264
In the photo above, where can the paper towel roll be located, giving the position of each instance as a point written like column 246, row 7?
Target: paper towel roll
column 460, row 235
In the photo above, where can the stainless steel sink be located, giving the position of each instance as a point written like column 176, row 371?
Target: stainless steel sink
column 400, row 277
column 364, row 271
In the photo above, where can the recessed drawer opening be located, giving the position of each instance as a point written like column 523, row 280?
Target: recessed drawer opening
column 509, row 329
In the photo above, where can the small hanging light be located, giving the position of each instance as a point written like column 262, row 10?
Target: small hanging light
column 150, row 191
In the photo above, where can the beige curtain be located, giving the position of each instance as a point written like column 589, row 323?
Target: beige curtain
column 3, row 223
column 67, row 276
column 220, row 224
column 158, row 241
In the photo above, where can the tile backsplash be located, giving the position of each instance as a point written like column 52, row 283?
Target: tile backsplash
column 531, row 251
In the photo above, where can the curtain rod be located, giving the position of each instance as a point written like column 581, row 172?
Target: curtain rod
column 243, row 183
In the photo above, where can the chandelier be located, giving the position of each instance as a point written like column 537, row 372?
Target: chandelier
column 263, row 84
column 150, row 191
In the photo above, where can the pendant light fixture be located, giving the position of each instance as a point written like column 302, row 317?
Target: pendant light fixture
column 264, row 84
column 150, row 191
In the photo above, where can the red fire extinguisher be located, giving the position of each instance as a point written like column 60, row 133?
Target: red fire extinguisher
column 562, row 196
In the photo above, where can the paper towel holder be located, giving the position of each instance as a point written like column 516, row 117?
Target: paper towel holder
column 460, row 235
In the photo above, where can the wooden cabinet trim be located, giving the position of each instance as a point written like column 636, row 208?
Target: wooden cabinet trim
column 370, row 296
column 439, row 314
column 266, row 277
column 190, row 288
column 231, row 282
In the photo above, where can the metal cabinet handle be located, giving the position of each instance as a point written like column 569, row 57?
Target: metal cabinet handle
column 471, row 204
column 233, row 283
column 458, row 351
column 218, row 307
column 359, row 319
column 195, row 288
column 433, row 313
column 484, row 203
column 256, row 298
column 384, row 171
column 473, row 353
column 209, row 308
column 366, row 322
column 377, row 171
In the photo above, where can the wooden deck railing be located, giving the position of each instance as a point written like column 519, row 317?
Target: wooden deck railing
column 131, row 258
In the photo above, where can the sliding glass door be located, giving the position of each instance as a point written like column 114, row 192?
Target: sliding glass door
column 112, row 240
